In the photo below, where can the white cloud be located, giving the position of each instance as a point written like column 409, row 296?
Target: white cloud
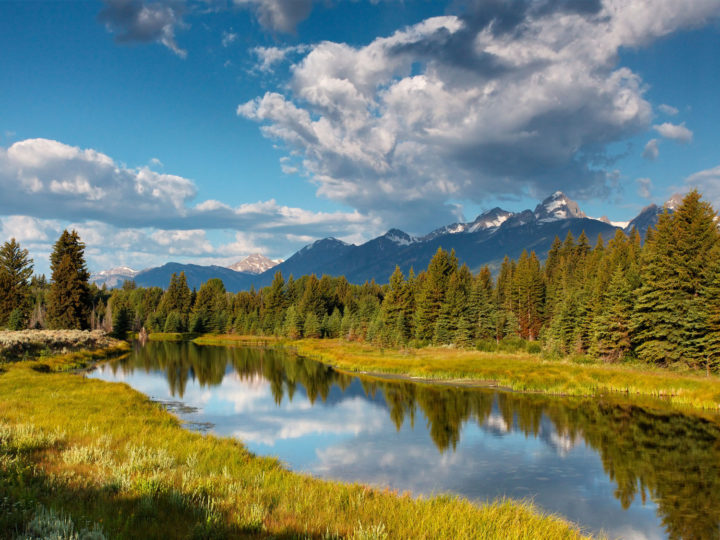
column 279, row 15
column 141, row 218
column 47, row 178
column 707, row 182
column 228, row 38
column 502, row 101
column 668, row 109
column 651, row 150
column 270, row 56
column 676, row 132
column 645, row 186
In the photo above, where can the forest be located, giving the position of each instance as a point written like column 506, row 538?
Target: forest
column 655, row 300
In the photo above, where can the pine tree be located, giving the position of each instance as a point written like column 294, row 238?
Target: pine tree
column 211, row 306
column 121, row 322
column 670, row 319
column 333, row 324
column 483, row 299
column 432, row 294
column 15, row 272
column 293, row 323
column 69, row 301
column 311, row 327
column 173, row 323
column 611, row 328
column 711, row 296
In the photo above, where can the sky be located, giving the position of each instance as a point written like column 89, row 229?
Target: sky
column 203, row 131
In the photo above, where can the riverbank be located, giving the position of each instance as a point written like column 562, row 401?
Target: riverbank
column 516, row 371
column 108, row 458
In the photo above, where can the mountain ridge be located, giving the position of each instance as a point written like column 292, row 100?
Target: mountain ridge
column 484, row 241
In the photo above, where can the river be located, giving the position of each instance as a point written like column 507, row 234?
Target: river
column 628, row 470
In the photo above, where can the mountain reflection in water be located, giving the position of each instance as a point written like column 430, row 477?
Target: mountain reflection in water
column 620, row 467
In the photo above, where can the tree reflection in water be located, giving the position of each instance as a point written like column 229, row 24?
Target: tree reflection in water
column 645, row 450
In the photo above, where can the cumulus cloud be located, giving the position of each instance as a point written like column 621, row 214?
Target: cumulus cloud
column 645, row 186
column 42, row 177
column 507, row 99
column 676, row 132
column 146, row 216
column 651, row 150
column 139, row 21
column 268, row 57
column 279, row 15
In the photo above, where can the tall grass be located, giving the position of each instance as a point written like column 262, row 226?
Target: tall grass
column 102, row 455
column 518, row 371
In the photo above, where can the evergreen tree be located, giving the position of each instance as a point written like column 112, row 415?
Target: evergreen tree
column 432, row 294
column 293, row 323
column 69, row 302
column 210, row 309
column 711, row 296
column 121, row 322
column 15, row 272
column 611, row 328
column 670, row 319
column 311, row 327
column 334, row 324
column 173, row 322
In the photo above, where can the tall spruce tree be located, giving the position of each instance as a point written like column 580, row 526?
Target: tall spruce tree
column 670, row 322
column 15, row 272
column 69, row 302
column 432, row 294
column 611, row 327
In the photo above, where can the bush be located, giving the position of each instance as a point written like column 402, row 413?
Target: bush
column 513, row 344
column 16, row 320
column 534, row 348
column 486, row 345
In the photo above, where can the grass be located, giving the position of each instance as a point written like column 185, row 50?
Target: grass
column 101, row 459
column 518, row 371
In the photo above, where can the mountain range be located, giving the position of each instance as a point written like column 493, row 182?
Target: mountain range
column 486, row 240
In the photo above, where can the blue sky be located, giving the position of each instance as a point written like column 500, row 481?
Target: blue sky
column 204, row 131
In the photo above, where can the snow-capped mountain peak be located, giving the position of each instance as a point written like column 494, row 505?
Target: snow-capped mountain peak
column 490, row 219
column 255, row 264
column 674, row 202
column 556, row 207
column 399, row 237
column 114, row 276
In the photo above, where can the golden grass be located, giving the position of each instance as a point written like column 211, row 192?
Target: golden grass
column 106, row 456
column 518, row 371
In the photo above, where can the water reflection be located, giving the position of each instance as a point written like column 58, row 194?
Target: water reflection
column 627, row 469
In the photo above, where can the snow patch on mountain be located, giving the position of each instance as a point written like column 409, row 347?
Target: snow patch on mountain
column 114, row 276
column 556, row 207
column 255, row 264
column 399, row 237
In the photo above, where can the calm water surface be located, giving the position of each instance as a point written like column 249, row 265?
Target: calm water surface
column 631, row 471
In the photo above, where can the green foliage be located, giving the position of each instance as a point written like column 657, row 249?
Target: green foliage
column 17, row 319
column 15, row 272
column 173, row 322
column 69, row 302
column 311, row 327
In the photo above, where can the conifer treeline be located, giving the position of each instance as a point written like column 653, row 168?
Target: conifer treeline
column 658, row 301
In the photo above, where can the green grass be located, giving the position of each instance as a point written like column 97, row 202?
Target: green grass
column 94, row 456
column 519, row 371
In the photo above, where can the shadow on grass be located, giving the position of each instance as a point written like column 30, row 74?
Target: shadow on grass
column 159, row 513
